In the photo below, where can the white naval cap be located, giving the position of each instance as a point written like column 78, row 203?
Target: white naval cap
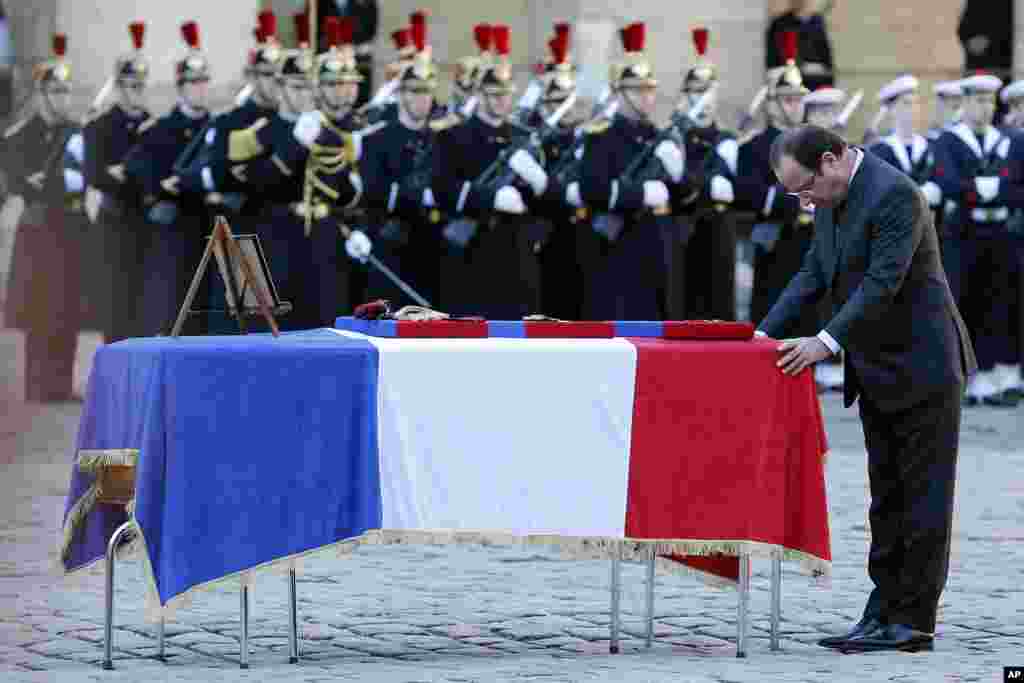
column 980, row 83
column 1013, row 91
column 901, row 86
column 948, row 89
column 825, row 95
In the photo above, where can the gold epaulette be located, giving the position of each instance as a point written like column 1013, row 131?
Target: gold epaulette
column 597, row 127
column 15, row 127
column 243, row 144
column 452, row 119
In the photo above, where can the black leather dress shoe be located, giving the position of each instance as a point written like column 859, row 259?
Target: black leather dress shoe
column 863, row 627
column 891, row 637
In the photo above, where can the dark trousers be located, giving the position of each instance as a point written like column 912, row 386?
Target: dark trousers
column 912, row 457
column 171, row 256
column 980, row 267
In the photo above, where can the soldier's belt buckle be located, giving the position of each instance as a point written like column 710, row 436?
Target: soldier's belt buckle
column 582, row 213
column 804, row 219
column 662, row 210
column 435, row 216
column 215, row 198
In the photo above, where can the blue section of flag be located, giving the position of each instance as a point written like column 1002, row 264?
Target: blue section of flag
column 506, row 329
column 251, row 448
column 639, row 328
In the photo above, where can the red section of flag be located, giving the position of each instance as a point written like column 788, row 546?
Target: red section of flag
column 459, row 329
column 725, row 448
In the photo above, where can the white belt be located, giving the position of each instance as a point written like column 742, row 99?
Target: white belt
column 992, row 215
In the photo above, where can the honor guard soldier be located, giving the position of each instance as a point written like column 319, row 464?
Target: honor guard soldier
column 268, row 161
column 176, row 224
column 463, row 99
column 324, row 131
column 43, row 290
column 1013, row 96
column 489, row 267
column 904, row 147
column 111, row 202
column 338, row 76
column 395, row 166
column 783, row 229
column 627, row 171
column 561, row 275
column 973, row 165
column 702, row 274
column 383, row 106
column 949, row 99
column 203, row 168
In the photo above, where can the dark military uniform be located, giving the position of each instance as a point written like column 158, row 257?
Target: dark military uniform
column 43, row 287
column 496, row 273
column 560, row 267
column 980, row 263
column 276, row 174
column 175, row 226
column 705, row 286
column 119, row 225
column 624, row 278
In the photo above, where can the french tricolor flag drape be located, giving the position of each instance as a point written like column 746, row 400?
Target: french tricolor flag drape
column 252, row 450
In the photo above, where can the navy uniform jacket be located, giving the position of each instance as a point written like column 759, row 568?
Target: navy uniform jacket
column 710, row 151
column 463, row 152
column 624, row 279
column 960, row 158
column 25, row 150
column 108, row 138
column 756, row 183
column 213, row 152
column 160, row 142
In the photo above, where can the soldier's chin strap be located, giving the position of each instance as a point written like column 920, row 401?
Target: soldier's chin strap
column 786, row 119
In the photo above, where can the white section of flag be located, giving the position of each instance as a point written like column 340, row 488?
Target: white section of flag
column 524, row 436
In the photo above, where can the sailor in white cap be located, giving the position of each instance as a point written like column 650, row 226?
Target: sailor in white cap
column 949, row 98
column 973, row 168
column 822, row 106
column 904, row 147
column 1013, row 124
column 1013, row 97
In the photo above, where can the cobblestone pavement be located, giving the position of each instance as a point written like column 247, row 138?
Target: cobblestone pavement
column 461, row 614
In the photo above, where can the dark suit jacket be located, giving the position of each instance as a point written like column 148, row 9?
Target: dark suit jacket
column 903, row 337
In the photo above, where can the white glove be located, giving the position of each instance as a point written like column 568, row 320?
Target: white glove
column 671, row 158
column 988, row 187
column 358, row 246
column 428, row 198
column 932, row 193
column 721, row 190
column 655, row 194
column 93, row 199
column 572, row 195
column 508, row 200
column 73, row 181
column 307, row 128
column 527, row 168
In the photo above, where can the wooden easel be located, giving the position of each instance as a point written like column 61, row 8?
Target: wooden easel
column 223, row 239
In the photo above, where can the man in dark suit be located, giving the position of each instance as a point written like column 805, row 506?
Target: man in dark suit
column 907, row 354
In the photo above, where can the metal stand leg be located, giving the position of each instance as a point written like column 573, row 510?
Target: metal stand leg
column 108, row 625
column 743, row 614
column 650, row 598
column 160, row 641
column 244, row 659
column 613, row 645
column 293, row 620
column 776, row 598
